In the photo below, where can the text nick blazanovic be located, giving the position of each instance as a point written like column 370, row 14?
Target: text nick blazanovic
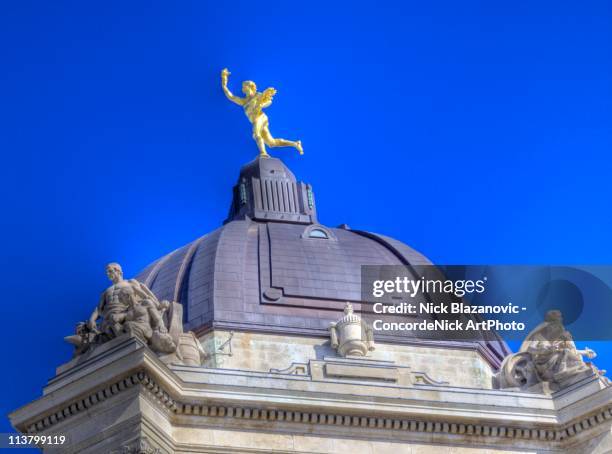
column 444, row 308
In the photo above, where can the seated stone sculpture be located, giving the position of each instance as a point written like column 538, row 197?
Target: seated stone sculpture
column 547, row 361
column 350, row 335
column 128, row 307
column 144, row 320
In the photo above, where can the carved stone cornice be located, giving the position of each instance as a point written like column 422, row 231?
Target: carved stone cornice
column 213, row 397
column 149, row 385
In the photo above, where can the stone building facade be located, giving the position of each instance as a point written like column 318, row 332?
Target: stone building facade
column 243, row 341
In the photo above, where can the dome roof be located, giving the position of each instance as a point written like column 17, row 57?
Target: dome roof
column 272, row 267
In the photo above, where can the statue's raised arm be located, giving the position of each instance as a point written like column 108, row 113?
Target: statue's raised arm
column 235, row 99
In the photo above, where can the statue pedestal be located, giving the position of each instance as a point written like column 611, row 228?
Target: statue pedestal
column 98, row 353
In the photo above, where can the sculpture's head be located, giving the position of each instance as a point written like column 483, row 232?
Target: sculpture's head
column 114, row 272
column 554, row 316
column 249, row 88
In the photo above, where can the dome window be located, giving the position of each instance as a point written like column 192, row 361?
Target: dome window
column 318, row 233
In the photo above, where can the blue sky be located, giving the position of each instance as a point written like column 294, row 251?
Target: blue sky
column 476, row 132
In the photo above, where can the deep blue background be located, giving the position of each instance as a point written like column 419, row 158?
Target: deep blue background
column 477, row 132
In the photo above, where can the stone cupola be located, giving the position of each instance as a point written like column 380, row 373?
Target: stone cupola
column 268, row 191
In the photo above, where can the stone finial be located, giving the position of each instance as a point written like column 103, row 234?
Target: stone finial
column 129, row 307
column 547, row 361
column 350, row 335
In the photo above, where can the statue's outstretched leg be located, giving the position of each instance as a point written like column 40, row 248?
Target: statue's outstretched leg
column 272, row 142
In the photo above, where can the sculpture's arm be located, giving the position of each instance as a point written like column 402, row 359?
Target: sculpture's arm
column 541, row 345
column 144, row 292
column 157, row 322
column 92, row 319
column 91, row 323
column 229, row 95
column 587, row 352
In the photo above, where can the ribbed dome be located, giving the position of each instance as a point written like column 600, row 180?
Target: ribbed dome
column 271, row 267
column 226, row 276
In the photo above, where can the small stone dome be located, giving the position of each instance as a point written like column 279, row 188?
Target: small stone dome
column 272, row 267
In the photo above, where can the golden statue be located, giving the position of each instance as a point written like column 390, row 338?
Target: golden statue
column 253, row 103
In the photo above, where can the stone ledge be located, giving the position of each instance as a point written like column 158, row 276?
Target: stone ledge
column 161, row 397
column 194, row 392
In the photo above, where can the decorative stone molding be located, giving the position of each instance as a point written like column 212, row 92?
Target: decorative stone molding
column 80, row 405
column 139, row 446
column 293, row 369
column 422, row 378
column 218, row 410
column 554, row 434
